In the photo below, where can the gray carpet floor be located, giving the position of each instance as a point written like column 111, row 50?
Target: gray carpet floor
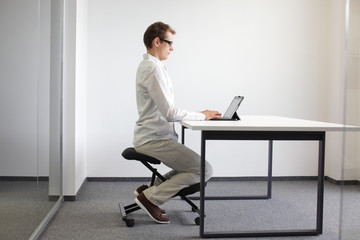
column 95, row 214
column 23, row 205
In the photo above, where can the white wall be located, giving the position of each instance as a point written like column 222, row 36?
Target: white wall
column 69, row 97
column 352, row 140
column 336, row 86
column 24, row 87
column 285, row 57
column 343, row 95
column 275, row 53
column 81, row 92
column 74, row 95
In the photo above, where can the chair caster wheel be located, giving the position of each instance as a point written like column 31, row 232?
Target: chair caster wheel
column 129, row 222
column 197, row 221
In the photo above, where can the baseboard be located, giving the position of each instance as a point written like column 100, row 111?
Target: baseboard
column 69, row 198
column 145, row 179
column 118, row 179
column 282, row 178
column 24, row 178
column 72, row 198
column 214, row 179
column 342, row 182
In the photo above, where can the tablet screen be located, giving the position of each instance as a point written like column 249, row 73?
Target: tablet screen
column 233, row 107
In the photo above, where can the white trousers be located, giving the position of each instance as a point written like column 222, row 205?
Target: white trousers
column 184, row 162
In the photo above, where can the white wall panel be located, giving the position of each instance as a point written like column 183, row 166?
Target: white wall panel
column 272, row 52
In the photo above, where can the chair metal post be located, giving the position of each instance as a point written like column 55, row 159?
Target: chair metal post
column 153, row 178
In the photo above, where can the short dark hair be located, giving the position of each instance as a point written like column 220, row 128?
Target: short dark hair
column 157, row 29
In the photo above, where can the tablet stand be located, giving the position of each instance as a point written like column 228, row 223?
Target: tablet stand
column 236, row 117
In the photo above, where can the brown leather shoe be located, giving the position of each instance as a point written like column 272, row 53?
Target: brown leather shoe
column 152, row 210
column 140, row 189
column 143, row 188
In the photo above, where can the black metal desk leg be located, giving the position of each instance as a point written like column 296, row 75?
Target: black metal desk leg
column 269, row 177
column 321, row 179
column 202, row 183
column 270, row 159
column 182, row 135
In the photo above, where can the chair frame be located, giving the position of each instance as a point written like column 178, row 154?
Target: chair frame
column 183, row 193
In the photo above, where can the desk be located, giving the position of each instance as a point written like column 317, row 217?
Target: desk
column 268, row 128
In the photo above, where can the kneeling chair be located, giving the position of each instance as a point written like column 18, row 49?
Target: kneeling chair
column 131, row 154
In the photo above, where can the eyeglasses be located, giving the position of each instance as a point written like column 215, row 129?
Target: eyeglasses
column 167, row 41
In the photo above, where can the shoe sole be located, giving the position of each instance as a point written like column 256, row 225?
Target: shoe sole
column 137, row 194
column 144, row 208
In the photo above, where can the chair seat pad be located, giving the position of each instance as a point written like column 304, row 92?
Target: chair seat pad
column 131, row 154
column 190, row 190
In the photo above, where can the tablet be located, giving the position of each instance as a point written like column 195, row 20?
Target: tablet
column 230, row 113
